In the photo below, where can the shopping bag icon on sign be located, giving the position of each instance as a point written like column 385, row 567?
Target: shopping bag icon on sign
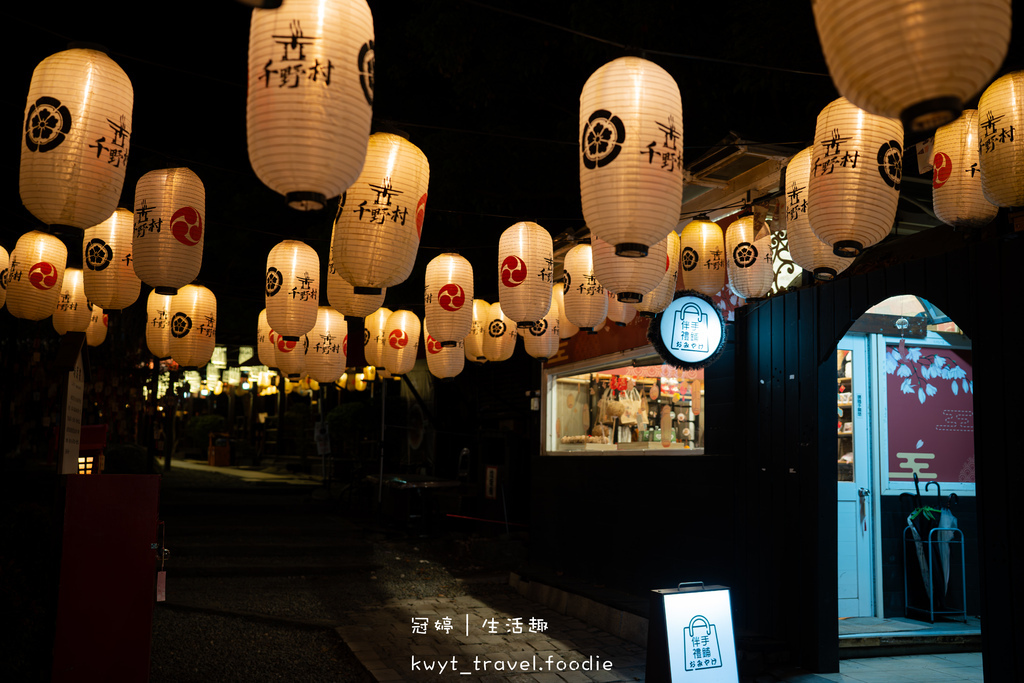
column 700, row 645
column 690, row 329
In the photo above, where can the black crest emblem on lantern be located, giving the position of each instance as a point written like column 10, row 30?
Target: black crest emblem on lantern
column 496, row 328
column 365, row 67
column 366, row 336
column 46, row 124
column 3, row 278
column 566, row 282
column 180, row 325
column 602, row 139
column 890, row 163
column 98, row 254
column 274, row 281
column 744, row 255
column 689, row 258
column 539, row 328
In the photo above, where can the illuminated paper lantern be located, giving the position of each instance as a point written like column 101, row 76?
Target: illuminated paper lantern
column 629, row 278
column 5, row 264
column 661, row 296
column 292, row 288
column 448, row 297
column 1000, row 144
column 72, row 313
column 36, row 275
column 75, row 141
column 525, row 272
column 380, row 218
column 619, row 312
column 96, row 333
column 109, row 273
column 170, row 228
column 702, row 258
column 541, row 340
column 631, row 154
column 856, row 168
column 500, row 334
column 325, row 359
column 264, row 343
column 958, row 197
column 566, row 328
column 478, row 331
column 402, row 342
column 806, row 250
column 158, row 324
column 290, row 355
column 750, row 259
column 443, row 362
column 193, row 326
column 309, row 102
column 916, row 61
column 585, row 303
column 342, row 295
column 374, row 336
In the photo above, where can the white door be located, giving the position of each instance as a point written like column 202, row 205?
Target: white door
column 854, row 479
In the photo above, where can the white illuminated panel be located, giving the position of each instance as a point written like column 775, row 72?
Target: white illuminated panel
column 701, row 643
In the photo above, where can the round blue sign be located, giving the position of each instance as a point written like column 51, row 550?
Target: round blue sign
column 690, row 332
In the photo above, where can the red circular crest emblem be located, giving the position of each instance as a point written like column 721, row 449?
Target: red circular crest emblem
column 284, row 346
column 398, row 339
column 43, row 275
column 513, row 271
column 451, row 297
column 943, row 166
column 421, row 209
column 433, row 346
column 187, row 226
column 344, row 345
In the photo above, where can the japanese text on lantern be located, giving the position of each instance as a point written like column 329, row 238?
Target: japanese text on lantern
column 294, row 67
column 116, row 149
column 834, row 155
column 668, row 154
column 993, row 134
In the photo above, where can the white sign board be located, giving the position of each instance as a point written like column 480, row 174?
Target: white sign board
column 689, row 333
column 701, row 642
column 72, row 416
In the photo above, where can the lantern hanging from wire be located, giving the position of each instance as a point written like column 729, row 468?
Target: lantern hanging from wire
column 448, row 297
column 628, row 279
column 566, row 328
column 525, row 272
column 35, row 276
column 290, row 355
column 96, row 333
column 264, row 344
column 76, row 136
column 910, row 60
column 856, row 170
column 309, row 102
column 325, row 360
column 342, row 295
column 292, row 288
column 957, row 193
column 443, row 362
column 586, row 305
column 5, row 264
column 806, row 250
column 631, row 154
column 402, row 342
column 541, row 340
column 170, row 228
column 72, row 313
column 702, row 258
column 375, row 335
column 750, row 259
column 620, row 312
column 380, row 218
column 658, row 299
column 109, row 276
column 500, row 335
column 158, row 324
column 474, row 341
column 193, row 326
column 1000, row 144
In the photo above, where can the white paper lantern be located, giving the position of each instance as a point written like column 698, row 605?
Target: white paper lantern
column 193, row 326
column 500, row 335
column 5, row 264
column 375, row 335
column 566, row 328
column 170, row 228
column 443, row 362
column 158, row 324
column 620, row 312
column 541, row 340
column 448, row 297
column 912, row 60
column 380, row 218
column 661, row 296
column 478, row 331
column 35, row 275
column 109, row 273
column 96, row 333
column 402, row 342
column 1000, row 144
column 290, row 355
column 342, row 295
column 631, row 154
column 856, row 170
column 292, row 288
column 325, row 360
column 957, row 193
column 702, row 257
column 585, row 303
column 806, row 250
column 750, row 259
column 75, row 140
column 525, row 272
column 309, row 102
column 72, row 313
column 264, row 343
column 628, row 279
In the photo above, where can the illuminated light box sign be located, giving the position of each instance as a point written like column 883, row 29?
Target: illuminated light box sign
column 690, row 638
column 690, row 332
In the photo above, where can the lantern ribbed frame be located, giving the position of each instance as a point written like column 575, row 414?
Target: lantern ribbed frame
column 5, row 264
column 525, row 267
column 1001, row 155
column 109, row 276
column 750, row 259
column 380, row 218
column 325, row 360
column 541, row 340
column 958, row 196
column 292, row 288
column 477, row 331
column 375, row 335
column 72, row 312
column 170, row 228
column 628, row 279
column 96, row 333
column 631, row 192
column 76, row 98
column 158, row 329
column 620, row 312
column 499, row 334
column 448, row 298
column 290, row 355
column 443, row 362
column 36, row 275
column 586, row 305
column 193, row 326
column 912, row 60
column 307, row 132
column 566, row 328
column 867, row 187
column 341, row 294
column 402, row 341
column 658, row 299
column 264, row 344
column 702, row 257
column 806, row 250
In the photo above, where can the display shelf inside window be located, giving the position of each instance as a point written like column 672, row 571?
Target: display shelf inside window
column 844, row 415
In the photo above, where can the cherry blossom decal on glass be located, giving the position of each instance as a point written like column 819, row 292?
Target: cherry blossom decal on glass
column 923, row 373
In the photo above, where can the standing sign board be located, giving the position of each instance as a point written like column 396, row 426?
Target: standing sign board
column 690, row 638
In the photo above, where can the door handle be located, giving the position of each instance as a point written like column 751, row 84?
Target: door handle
column 863, row 492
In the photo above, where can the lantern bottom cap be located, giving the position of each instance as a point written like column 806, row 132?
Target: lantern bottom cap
column 930, row 114
column 289, row 338
column 629, row 297
column 366, row 290
column 449, row 344
column 524, row 324
column 306, row 201
column 825, row 273
column 847, row 248
column 166, row 291
column 646, row 314
column 631, row 250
